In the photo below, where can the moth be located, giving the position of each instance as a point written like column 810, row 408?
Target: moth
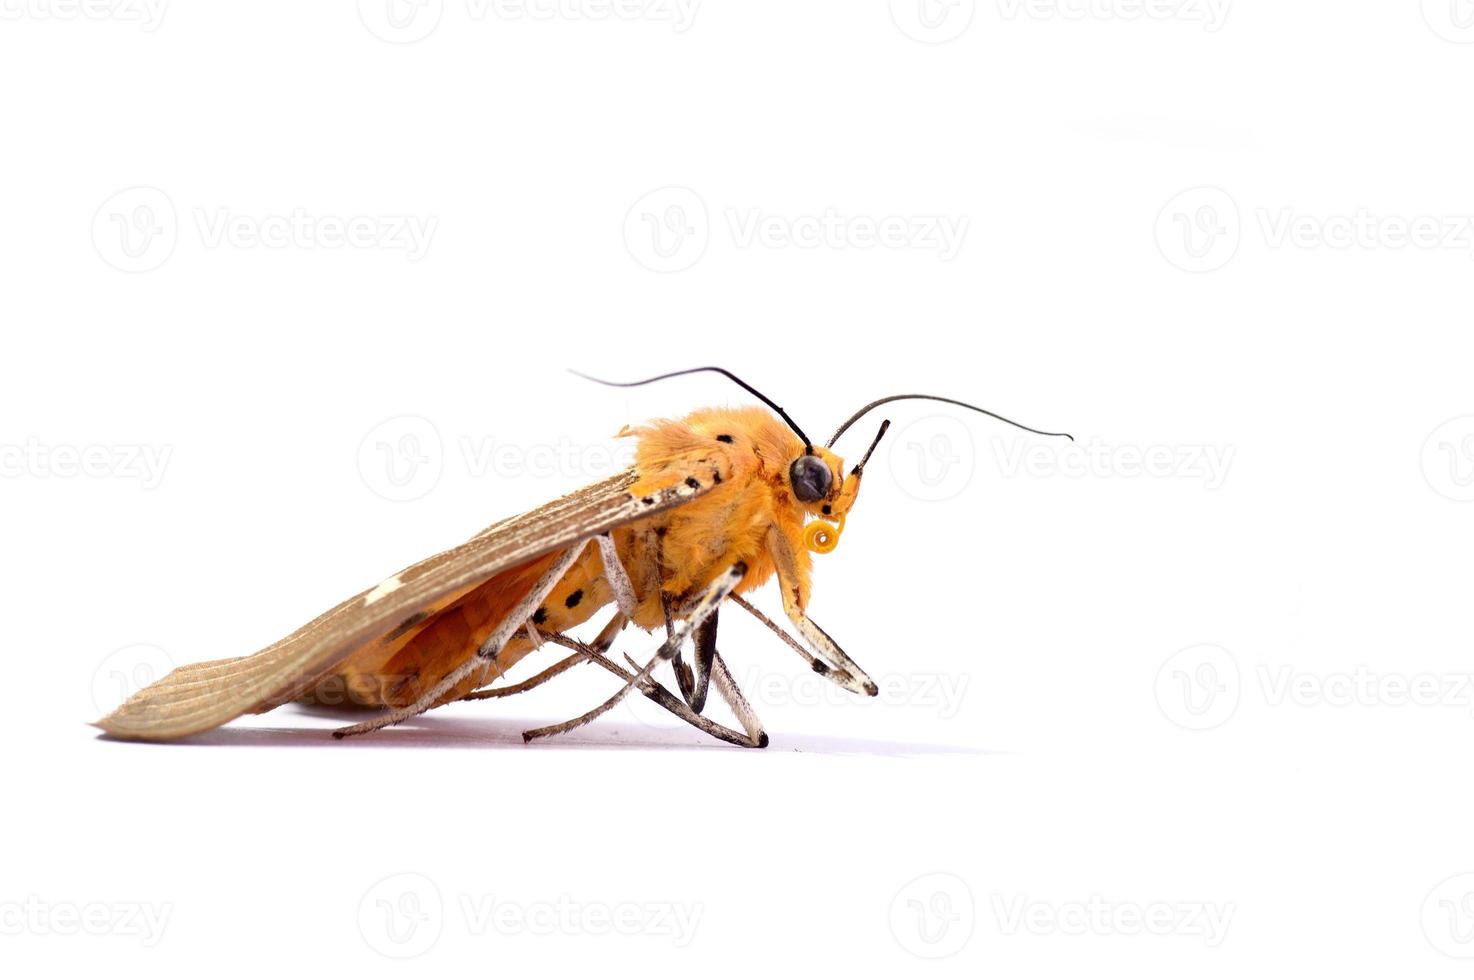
column 716, row 504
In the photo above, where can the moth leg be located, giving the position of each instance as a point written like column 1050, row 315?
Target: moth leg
column 840, row 668
column 601, row 643
column 702, row 609
column 761, row 617
column 656, row 692
column 727, row 687
column 694, row 687
column 709, row 665
column 732, row 694
column 531, row 682
column 617, row 577
column 488, row 651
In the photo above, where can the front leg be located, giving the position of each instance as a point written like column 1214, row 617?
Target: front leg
column 840, row 668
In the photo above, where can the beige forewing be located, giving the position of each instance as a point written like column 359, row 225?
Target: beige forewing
column 198, row 697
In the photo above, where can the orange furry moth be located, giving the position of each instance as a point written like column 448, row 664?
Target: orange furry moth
column 716, row 504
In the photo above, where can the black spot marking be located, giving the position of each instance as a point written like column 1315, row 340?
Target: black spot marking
column 648, row 501
column 724, row 438
column 825, row 509
column 660, row 531
column 820, row 667
column 693, row 483
column 574, row 598
column 407, row 625
column 540, row 617
column 716, row 476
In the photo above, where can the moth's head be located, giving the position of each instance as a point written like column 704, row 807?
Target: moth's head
column 815, row 481
column 819, row 482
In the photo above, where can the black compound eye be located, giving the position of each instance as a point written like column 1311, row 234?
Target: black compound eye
column 811, row 478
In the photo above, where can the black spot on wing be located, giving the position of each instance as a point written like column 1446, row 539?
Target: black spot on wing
column 574, row 598
column 540, row 617
column 724, row 438
column 693, row 483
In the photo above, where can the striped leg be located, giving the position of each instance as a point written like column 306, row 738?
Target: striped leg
column 727, row 688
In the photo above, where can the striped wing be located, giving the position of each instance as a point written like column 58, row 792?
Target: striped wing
column 202, row 696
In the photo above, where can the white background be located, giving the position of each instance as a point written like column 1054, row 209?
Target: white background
column 1190, row 232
